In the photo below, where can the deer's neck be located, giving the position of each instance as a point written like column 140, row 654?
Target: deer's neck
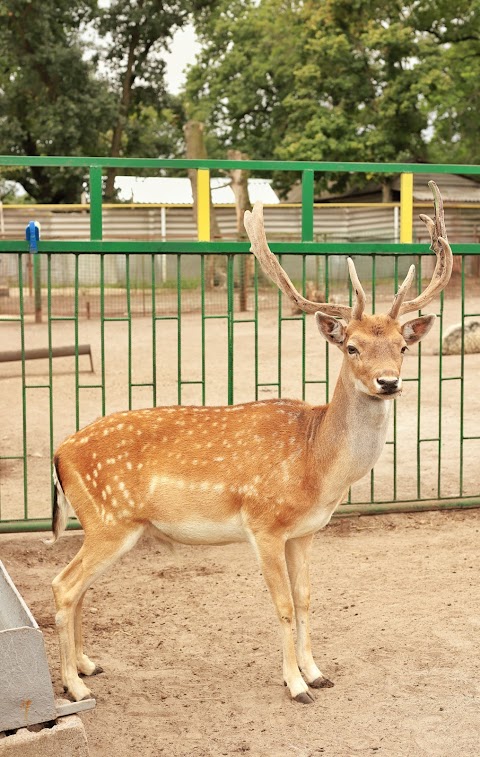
column 353, row 432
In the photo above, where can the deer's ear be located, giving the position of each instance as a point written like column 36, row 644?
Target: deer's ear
column 413, row 331
column 331, row 329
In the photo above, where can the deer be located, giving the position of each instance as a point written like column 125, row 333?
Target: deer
column 270, row 473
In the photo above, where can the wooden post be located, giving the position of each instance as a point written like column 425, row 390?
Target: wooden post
column 239, row 185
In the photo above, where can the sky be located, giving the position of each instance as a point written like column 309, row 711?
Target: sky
column 184, row 47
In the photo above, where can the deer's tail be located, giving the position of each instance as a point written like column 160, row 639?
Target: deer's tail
column 60, row 507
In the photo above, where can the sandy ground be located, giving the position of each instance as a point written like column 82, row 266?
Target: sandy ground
column 190, row 644
column 189, row 641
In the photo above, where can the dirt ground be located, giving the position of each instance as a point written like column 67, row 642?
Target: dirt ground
column 191, row 652
column 189, row 640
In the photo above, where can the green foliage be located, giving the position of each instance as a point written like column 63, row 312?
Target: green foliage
column 51, row 101
column 345, row 80
column 79, row 79
column 134, row 37
column 451, row 71
column 243, row 75
column 355, row 95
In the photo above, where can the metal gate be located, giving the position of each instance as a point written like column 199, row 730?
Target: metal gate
column 190, row 338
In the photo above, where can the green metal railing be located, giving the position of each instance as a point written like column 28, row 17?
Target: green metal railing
column 25, row 486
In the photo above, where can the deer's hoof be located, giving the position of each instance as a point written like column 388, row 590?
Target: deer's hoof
column 304, row 698
column 95, row 672
column 78, row 691
column 321, row 683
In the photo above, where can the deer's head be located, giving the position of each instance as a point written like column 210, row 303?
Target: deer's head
column 373, row 345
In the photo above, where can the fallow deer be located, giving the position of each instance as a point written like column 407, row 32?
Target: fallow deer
column 270, row 473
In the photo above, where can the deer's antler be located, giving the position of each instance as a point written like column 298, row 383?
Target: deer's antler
column 443, row 267
column 271, row 267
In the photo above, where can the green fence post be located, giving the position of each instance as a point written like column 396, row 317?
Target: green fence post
column 96, row 192
column 37, row 284
column 307, row 205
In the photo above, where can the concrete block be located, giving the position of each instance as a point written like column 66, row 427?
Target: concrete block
column 26, row 693
column 66, row 739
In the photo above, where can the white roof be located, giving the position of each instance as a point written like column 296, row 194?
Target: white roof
column 173, row 191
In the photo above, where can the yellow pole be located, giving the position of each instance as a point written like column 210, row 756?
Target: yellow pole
column 203, row 204
column 406, row 208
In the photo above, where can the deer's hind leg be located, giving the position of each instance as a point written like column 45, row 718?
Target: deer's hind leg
column 85, row 666
column 297, row 553
column 94, row 557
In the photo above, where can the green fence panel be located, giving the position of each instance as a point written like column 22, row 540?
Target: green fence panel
column 186, row 340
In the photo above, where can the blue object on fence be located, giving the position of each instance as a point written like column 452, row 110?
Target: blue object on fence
column 32, row 235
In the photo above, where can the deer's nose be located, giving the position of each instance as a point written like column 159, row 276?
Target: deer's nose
column 389, row 384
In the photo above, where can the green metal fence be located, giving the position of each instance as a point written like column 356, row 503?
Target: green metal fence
column 227, row 354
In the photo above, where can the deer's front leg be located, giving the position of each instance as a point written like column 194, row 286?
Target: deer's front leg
column 271, row 555
column 298, row 563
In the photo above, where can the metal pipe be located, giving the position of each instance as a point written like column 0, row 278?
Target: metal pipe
column 344, row 511
column 389, row 508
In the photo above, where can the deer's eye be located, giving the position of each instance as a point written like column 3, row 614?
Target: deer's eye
column 352, row 350
column 404, row 349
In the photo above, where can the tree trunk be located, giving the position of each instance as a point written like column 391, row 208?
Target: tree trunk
column 239, row 177
column 195, row 150
column 117, row 135
column 387, row 190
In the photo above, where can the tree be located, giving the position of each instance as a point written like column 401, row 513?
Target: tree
column 243, row 75
column 51, row 101
column 337, row 80
column 61, row 94
column 356, row 95
column 138, row 33
column 451, row 71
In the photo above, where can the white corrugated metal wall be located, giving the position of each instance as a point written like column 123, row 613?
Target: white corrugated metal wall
column 350, row 223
